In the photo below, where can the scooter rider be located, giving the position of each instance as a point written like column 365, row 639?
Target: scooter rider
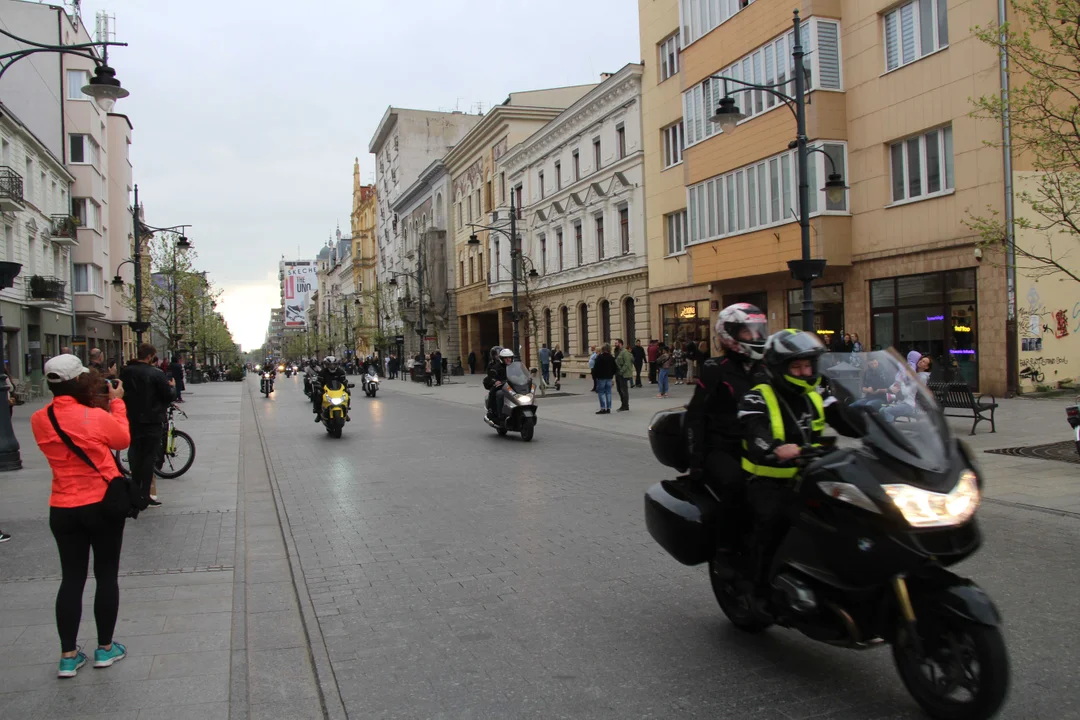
column 328, row 371
column 781, row 416
column 495, row 379
column 714, row 434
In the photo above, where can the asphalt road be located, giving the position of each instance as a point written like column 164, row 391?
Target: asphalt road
column 455, row 573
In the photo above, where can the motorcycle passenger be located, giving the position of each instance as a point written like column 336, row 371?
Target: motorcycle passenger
column 714, row 434
column 328, row 371
column 495, row 380
column 781, row 416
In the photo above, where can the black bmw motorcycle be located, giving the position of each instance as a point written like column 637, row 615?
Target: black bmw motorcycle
column 871, row 532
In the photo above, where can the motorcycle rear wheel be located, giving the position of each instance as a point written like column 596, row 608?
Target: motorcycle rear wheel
column 734, row 604
column 958, row 656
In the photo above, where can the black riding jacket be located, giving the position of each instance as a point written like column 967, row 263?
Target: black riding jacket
column 495, row 373
column 712, row 417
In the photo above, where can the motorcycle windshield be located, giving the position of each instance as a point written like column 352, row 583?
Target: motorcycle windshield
column 518, row 377
column 883, row 398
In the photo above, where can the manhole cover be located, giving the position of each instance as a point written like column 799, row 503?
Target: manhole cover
column 1064, row 451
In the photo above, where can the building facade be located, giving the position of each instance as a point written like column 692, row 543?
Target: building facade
column 369, row 310
column 579, row 182
column 889, row 111
column 476, row 188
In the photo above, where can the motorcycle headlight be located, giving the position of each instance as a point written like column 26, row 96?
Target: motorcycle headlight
column 525, row 399
column 336, row 401
column 924, row 509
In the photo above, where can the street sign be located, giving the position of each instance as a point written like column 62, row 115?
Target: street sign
column 399, row 339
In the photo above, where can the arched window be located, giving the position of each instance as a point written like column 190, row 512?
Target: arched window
column 605, row 321
column 564, row 321
column 629, row 329
column 439, row 221
column 583, row 329
column 547, row 326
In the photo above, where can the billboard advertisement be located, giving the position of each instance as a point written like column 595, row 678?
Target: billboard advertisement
column 300, row 281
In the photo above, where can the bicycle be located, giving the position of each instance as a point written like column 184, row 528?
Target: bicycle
column 178, row 454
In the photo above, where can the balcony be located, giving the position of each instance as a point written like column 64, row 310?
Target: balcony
column 64, row 230
column 11, row 190
column 43, row 290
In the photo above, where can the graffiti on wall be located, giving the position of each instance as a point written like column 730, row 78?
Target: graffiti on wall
column 1047, row 328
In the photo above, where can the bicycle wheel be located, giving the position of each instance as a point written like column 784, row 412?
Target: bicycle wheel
column 180, row 459
column 122, row 463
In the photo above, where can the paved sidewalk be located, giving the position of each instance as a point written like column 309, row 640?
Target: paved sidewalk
column 208, row 610
column 1044, row 484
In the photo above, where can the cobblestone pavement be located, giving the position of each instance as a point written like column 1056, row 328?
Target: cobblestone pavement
column 455, row 573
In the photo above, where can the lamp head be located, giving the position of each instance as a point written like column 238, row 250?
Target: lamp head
column 474, row 240
column 105, row 88
column 393, row 282
column 183, row 244
column 727, row 114
column 118, row 282
column 835, row 188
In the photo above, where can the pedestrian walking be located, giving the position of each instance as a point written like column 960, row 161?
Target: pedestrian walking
column 472, row 362
column 603, row 371
column 545, row 361
column 678, row 362
column 651, row 354
column 556, row 366
column 148, row 394
column 639, row 361
column 176, row 370
column 76, row 517
column 436, row 365
column 592, row 362
column 97, row 360
column 663, row 363
column 691, row 354
column 624, row 363
column 856, row 346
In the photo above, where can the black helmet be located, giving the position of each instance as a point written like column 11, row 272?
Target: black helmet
column 787, row 345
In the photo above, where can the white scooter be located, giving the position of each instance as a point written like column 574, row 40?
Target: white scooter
column 370, row 383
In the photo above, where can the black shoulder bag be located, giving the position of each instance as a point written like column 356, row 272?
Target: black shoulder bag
column 122, row 496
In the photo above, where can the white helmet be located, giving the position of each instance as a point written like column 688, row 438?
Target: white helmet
column 506, row 353
column 330, row 360
column 733, row 320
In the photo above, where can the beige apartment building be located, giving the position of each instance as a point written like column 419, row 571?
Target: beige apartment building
column 889, row 88
column 475, row 189
column 364, row 258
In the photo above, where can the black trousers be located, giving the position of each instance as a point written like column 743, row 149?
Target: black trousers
column 438, row 376
column 622, row 384
column 652, row 373
column 637, row 373
column 76, row 530
column 144, row 452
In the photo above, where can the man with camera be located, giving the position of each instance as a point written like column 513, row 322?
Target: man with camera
column 147, row 394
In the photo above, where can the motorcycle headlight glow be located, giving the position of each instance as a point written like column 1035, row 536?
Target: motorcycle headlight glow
column 336, row 401
column 525, row 399
column 923, row 509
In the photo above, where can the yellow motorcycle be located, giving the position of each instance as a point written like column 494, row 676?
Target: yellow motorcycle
column 335, row 407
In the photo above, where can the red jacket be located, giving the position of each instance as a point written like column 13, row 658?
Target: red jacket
column 94, row 430
column 652, row 351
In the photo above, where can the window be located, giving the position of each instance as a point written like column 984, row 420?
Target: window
column 624, row 229
column 701, row 16
column 479, row 208
column 676, row 232
column 583, row 329
column 480, row 266
column 599, row 219
column 498, row 260
column 672, row 137
column 577, row 166
column 558, row 176
column 596, row 154
column 564, row 320
column 28, row 180
column 540, row 182
column 77, row 80
column 922, row 166
column 9, row 243
column 472, row 270
column 517, row 196
column 502, row 187
column 669, row 57
column 558, row 240
column 770, row 64
column 82, row 149
column 87, row 278
column 543, row 255
column 470, row 208
column 915, row 30
column 460, row 221
column 757, row 196
column 461, row 272
column 620, row 141
column 605, row 321
column 578, row 247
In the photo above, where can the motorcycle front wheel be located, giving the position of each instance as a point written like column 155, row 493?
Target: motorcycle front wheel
column 734, row 604
column 962, row 672
column 527, row 430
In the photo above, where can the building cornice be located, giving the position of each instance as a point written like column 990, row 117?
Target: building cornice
column 40, row 147
column 428, row 177
column 637, row 273
column 491, row 128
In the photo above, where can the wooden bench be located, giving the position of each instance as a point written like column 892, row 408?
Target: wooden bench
column 958, row 396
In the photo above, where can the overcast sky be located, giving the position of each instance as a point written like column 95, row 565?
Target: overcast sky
column 248, row 115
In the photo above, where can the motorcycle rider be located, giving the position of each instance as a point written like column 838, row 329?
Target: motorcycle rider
column 329, row 370
column 714, row 433
column 779, row 417
column 495, row 378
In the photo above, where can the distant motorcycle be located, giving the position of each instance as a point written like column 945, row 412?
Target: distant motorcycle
column 335, row 407
column 370, row 384
column 518, row 409
column 266, row 384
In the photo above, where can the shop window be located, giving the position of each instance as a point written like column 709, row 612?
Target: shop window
column 685, row 322
column 828, row 311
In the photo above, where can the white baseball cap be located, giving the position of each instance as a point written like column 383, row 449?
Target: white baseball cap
column 64, row 367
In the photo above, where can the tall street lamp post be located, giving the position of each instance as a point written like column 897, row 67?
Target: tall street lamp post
column 806, row 269
column 515, row 263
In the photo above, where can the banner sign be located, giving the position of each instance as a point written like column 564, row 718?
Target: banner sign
column 300, row 281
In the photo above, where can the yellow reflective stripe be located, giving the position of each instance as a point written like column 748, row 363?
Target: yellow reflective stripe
column 768, row 471
column 776, row 420
column 817, row 425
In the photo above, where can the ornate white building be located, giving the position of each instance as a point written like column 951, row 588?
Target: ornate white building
column 579, row 185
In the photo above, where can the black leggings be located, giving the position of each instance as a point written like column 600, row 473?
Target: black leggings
column 77, row 530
